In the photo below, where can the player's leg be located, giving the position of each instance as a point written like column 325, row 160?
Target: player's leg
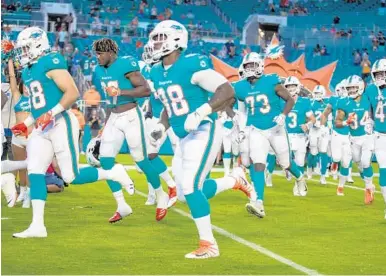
column 8, row 186
column 19, row 154
column 65, row 143
column 280, row 144
column 172, row 138
column 380, row 153
column 336, row 153
column 311, row 156
column 227, row 155
column 235, row 153
column 324, row 159
column 367, row 169
column 271, row 163
column 40, row 154
column 300, row 153
column 133, row 122
column 346, row 156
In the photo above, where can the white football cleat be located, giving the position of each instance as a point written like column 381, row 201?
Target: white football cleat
column 32, row 232
column 21, row 196
column 323, row 180
column 349, row 179
column 268, row 180
column 256, row 208
column 120, row 175
column 27, row 199
column 151, row 199
column 206, row 250
column 9, row 189
column 295, row 189
column 122, row 211
column 302, row 186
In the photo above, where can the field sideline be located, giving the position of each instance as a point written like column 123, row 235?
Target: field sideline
column 321, row 232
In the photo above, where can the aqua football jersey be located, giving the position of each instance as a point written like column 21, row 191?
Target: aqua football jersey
column 318, row 107
column 361, row 109
column 85, row 65
column 114, row 75
column 174, row 88
column 298, row 115
column 23, row 104
column 43, row 91
column 155, row 102
column 334, row 101
column 261, row 101
column 377, row 98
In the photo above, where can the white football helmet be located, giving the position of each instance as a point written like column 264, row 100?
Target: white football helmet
column 256, row 69
column 30, row 44
column 354, row 86
column 378, row 72
column 146, row 55
column 293, row 85
column 92, row 152
column 340, row 89
column 319, row 92
column 167, row 36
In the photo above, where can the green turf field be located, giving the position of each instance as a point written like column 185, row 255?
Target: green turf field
column 321, row 232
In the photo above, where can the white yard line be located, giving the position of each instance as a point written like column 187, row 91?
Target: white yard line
column 249, row 244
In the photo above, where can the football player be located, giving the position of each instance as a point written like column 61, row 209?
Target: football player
column 52, row 92
column 184, row 83
column 152, row 116
column 123, row 83
column 319, row 136
column 356, row 114
column 262, row 96
column 376, row 93
column 340, row 142
column 299, row 121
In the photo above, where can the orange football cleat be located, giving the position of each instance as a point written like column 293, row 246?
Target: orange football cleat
column 339, row 191
column 115, row 218
column 206, row 250
column 369, row 196
column 160, row 213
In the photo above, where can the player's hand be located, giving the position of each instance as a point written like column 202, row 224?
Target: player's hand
column 304, row 127
column 192, row 122
column 369, row 126
column 317, row 124
column 20, row 129
column 351, row 119
column 156, row 133
column 323, row 131
column 240, row 137
column 44, row 120
column 148, row 115
column 113, row 91
column 279, row 120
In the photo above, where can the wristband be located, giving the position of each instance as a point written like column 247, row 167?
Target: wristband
column 57, row 109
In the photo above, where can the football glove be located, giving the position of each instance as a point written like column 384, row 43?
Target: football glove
column 279, row 120
column 156, row 133
column 20, row 129
column 113, row 91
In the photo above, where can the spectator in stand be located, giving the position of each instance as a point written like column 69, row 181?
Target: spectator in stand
column 323, row 51
column 153, row 13
column 190, row 15
column 54, row 181
column 317, row 50
column 142, row 7
column 68, row 20
column 336, row 20
column 375, row 43
column 383, row 3
column 357, row 58
column 381, row 40
column 85, row 64
column 366, row 67
column 83, row 33
column 11, row 7
column 302, row 45
column 365, row 54
column 92, row 100
column 133, row 26
column 95, row 122
column 168, row 13
column 314, row 30
column 62, row 37
column 58, row 24
column 229, row 46
column 214, row 51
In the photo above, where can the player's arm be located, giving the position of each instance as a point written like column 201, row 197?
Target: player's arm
column 164, row 120
column 66, row 84
column 213, row 82
column 339, row 119
column 4, row 99
column 311, row 120
column 286, row 96
column 324, row 117
column 13, row 82
column 141, row 87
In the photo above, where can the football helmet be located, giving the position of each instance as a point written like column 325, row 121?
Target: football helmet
column 354, row 86
column 293, row 85
column 92, row 152
column 319, row 92
column 253, row 65
column 340, row 89
column 167, row 36
column 241, row 71
column 146, row 55
column 30, row 44
column 378, row 72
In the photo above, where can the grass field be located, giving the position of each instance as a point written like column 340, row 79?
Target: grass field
column 321, row 232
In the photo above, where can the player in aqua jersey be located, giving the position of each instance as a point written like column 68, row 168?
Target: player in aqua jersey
column 184, row 83
column 52, row 92
column 376, row 93
column 85, row 64
column 123, row 83
column 319, row 136
column 152, row 115
column 299, row 121
column 262, row 96
column 340, row 141
column 356, row 115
